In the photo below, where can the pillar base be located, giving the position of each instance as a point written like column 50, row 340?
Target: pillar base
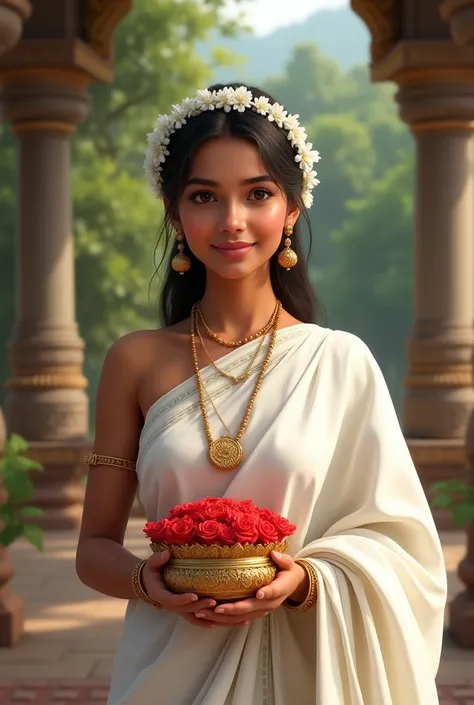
column 59, row 489
column 437, row 460
column 461, row 619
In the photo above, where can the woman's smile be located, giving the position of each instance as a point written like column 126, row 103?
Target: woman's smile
column 234, row 250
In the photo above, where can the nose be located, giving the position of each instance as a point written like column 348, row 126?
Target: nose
column 232, row 217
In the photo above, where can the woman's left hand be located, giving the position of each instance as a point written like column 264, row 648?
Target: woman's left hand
column 290, row 581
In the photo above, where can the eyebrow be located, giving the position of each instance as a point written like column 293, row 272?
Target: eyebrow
column 208, row 182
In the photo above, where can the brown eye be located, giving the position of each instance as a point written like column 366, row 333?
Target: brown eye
column 260, row 194
column 202, row 197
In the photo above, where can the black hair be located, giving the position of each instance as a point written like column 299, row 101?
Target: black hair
column 292, row 288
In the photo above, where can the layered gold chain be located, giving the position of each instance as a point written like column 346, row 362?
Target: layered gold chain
column 226, row 453
column 237, row 343
column 248, row 371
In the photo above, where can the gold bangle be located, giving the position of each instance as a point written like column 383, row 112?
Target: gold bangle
column 95, row 459
column 312, row 596
column 138, row 588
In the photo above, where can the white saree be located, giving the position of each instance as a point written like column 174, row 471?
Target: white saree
column 323, row 448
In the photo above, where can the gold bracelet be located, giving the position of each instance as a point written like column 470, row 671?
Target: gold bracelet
column 95, row 459
column 138, row 588
column 312, row 596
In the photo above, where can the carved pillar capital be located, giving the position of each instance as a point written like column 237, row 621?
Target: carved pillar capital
column 460, row 16
column 383, row 19
column 13, row 15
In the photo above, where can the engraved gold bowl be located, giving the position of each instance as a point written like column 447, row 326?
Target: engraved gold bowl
column 223, row 573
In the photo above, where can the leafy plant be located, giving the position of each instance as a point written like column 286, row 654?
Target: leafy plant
column 458, row 496
column 15, row 470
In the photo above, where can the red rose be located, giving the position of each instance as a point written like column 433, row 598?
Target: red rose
column 282, row 526
column 190, row 509
column 208, row 531
column 216, row 509
column 245, row 527
column 267, row 532
column 180, row 531
column 226, row 535
column 156, row 530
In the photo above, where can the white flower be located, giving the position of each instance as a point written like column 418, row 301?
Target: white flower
column 241, row 99
column 224, row 99
column 297, row 136
column 178, row 116
column 189, row 106
column 163, row 124
column 307, row 198
column 277, row 114
column 307, row 157
column 310, row 179
column 262, row 105
column 205, row 99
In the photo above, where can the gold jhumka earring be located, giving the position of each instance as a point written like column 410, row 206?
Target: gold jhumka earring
column 288, row 257
column 180, row 262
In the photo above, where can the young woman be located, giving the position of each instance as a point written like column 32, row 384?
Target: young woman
column 241, row 395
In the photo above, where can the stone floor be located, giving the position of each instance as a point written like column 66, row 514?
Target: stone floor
column 71, row 632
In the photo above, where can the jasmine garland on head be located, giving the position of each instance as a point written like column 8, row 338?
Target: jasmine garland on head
column 227, row 99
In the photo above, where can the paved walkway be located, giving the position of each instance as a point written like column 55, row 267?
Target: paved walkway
column 66, row 654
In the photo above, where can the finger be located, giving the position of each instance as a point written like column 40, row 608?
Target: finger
column 198, row 606
column 283, row 560
column 156, row 560
column 246, row 607
column 203, row 623
column 172, row 601
column 230, row 620
column 278, row 588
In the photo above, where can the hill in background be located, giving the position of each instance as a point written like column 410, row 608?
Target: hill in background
column 340, row 34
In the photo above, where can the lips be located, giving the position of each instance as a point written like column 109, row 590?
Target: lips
column 234, row 251
column 234, row 245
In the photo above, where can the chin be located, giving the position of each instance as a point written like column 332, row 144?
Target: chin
column 237, row 270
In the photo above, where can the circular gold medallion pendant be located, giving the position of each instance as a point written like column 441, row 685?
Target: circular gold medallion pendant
column 226, row 453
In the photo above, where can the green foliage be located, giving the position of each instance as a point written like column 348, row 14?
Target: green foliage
column 458, row 496
column 15, row 469
column 369, row 290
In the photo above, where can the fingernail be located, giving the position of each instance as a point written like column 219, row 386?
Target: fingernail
column 213, row 603
column 277, row 554
column 219, row 610
column 200, row 615
column 260, row 595
column 194, row 598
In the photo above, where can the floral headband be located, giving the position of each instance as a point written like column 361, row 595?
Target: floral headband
column 228, row 99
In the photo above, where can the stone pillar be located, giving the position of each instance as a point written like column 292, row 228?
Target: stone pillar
column 45, row 400
column 439, row 389
column 12, row 610
column 13, row 14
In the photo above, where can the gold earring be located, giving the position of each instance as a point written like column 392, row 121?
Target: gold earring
column 180, row 262
column 288, row 257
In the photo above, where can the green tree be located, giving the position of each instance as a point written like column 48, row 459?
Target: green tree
column 369, row 291
column 346, row 169
column 313, row 84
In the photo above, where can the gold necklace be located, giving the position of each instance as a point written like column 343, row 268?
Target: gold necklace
column 237, row 343
column 240, row 378
column 226, row 453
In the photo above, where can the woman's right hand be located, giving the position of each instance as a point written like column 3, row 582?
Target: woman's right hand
column 185, row 605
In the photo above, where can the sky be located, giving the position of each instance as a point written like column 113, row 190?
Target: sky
column 267, row 15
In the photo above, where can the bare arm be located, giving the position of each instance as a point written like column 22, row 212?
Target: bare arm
column 102, row 562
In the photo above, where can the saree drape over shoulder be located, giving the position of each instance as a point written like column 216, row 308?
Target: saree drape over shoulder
column 323, row 448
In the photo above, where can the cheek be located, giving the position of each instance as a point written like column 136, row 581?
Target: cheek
column 268, row 223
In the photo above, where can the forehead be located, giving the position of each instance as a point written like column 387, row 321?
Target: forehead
column 227, row 156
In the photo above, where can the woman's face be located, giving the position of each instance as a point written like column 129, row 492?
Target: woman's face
column 231, row 212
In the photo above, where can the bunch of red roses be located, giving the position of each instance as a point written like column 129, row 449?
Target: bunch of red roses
column 220, row 521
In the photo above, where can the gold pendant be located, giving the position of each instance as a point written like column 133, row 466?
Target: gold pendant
column 226, row 453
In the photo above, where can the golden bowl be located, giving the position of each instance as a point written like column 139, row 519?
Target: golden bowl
column 223, row 573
